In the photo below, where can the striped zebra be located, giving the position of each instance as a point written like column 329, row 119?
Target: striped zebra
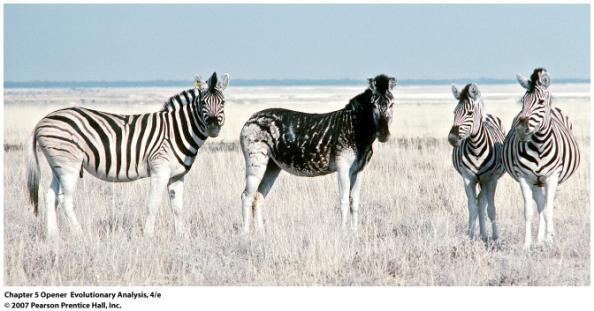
column 119, row 148
column 310, row 145
column 477, row 138
column 540, row 152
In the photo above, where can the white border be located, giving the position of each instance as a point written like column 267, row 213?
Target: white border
column 344, row 298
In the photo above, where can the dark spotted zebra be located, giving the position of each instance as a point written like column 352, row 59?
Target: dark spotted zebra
column 310, row 145
column 118, row 148
column 540, row 152
column 477, row 138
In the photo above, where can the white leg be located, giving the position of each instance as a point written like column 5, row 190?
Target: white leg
column 68, row 185
column 540, row 235
column 355, row 190
column 528, row 211
column 470, row 188
column 159, row 178
column 491, row 211
column 344, row 190
column 59, row 197
column 256, row 162
column 175, row 190
column 272, row 172
column 247, row 197
column 247, row 200
column 482, row 207
column 257, row 211
column 51, row 224
column 550, row 188
column 538, row 195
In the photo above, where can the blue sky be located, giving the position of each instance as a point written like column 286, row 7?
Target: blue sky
column 144, row 42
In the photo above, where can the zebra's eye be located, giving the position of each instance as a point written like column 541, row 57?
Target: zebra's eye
column 469, row 113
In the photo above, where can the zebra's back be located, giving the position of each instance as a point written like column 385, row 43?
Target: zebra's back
column 303, row 144
column 547, row 152
column 483, row 156
column 109, row 146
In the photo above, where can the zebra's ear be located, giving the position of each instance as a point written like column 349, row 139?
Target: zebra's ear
column 473, row 91
column 197, row 81
column 224, row 82
column 524, row 82
column 371, row 82
column 391, row 83
column 455, row 92
column 545, row 79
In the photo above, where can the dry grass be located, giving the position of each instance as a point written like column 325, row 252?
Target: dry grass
column 413, row 209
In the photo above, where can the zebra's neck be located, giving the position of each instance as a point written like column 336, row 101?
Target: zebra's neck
column 361, row 114
column 186, row 128
column 477, row 138
column 187, row 97
column 545, row 125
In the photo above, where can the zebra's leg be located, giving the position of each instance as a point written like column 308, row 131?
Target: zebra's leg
column 175, row 189
column 59, row 197
column 159, row 179
column 272, row 171
column 344, row 186
column 538, row 194
column 528, row 210
column 550, row 188
column 68, row 186
column 490, row 187
column 256, row 161
column 470, row 188
column 50, row 229
column 482, row 207
column 354, row 198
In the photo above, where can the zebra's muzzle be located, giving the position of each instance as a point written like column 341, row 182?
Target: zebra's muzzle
column 454, row 140
column 454, row 136
column 383, row 131
column 383, row 137
column 213, row 129
column 523, row 130
column 523, row 134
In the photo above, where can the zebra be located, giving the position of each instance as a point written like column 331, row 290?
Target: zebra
column 311, row 145
column 121, row 148
column 540, row 152
column 477, row 138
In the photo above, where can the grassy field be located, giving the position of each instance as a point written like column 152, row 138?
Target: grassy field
column 412, row 218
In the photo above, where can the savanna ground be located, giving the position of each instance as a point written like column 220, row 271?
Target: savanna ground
column 413, row 213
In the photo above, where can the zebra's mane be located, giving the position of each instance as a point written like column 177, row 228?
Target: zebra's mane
column 360, row 101
column 465, row 93
column 493, row 122
column 558, row 115
column 179, row 100
column 535, row 79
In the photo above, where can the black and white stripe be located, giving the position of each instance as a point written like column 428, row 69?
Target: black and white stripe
column 477, row 139
column 119, row 148
column 540, row 152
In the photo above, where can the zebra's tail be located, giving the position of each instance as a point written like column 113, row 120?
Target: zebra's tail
column 32, row 171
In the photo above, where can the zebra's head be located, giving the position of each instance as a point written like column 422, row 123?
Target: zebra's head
column 212, row 103
column 536, row 103
column 382, row 102
column 468, row 114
